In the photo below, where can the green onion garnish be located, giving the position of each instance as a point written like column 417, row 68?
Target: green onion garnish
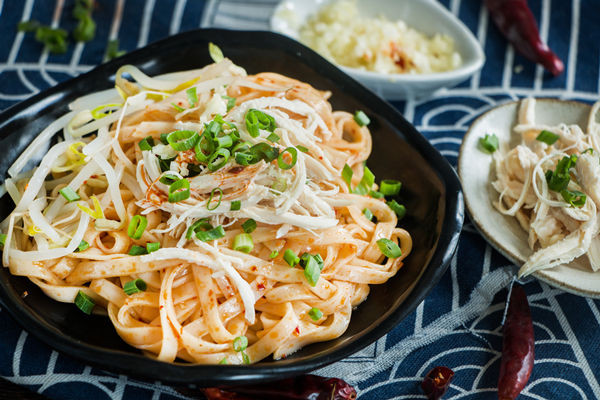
column 575, row 198
column 589, row 150
column 235, row 205
column 347, row 174
column 281, row 162
column 213, row 234
column 399, row 209
column 179, row 191
column 274, row 254
column 224, row 141
column 212, row 194
column 168, row 179
column 215, row 52
column 69, row 194
column 273, row 137
column 83, row 245
column 558, row 180
column 291, row 258
column 218, row 159
column 198, row 226
column 390, row 187
column 182, row 140
column 54, row 39
column 152, row 247
column 257, row 120
column 368, row 214
column 315, row 313
column 230, row 102
column 136, row 250
column 3, row 240
column 112, row 49
column 223, row 361
column 389, row 248
column 312, row 271
column 240, row 343
column 243, row 242
column 375, row 194
column 163, row 138
column 361, row 118
column 302, row 149
column 245, row 358
column 84, row 302
column 135, row 286
column 547, row 137
column 489, row 143
column 86, row 28
column 178, row 108
column 249, row 225
column 146, row 143
column 137, row 226
column 192, row 96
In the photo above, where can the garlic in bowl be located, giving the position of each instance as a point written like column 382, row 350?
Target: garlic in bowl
column 399, row 49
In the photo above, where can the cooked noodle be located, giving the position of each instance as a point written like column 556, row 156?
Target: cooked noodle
column 202, row 295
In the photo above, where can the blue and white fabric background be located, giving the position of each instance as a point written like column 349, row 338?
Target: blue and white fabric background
column 458, row 325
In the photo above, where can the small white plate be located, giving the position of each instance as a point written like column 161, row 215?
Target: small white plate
column 427, row 16
column 504, row 233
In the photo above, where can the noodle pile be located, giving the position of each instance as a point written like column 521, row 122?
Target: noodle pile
column 169, row 288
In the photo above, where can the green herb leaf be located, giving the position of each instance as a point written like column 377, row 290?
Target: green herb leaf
column 547, row 137
column 489, row 143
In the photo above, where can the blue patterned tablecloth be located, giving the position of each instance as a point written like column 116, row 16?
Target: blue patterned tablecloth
column 458, row 325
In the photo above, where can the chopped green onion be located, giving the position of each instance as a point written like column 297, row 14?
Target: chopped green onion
column 235, row 205
column 163, row 138
column 224, row 141
column 179, row 191
column 69, row 194
column 212, row 194
column 3, row 240
column 291, row 258
column 389, row 248
column 312, row 271
column 112, row 49
column 215, row 52
column 245, row 358
column 243, row 242
column 575, row 198
column 347, row 174
column 257, row 120
column 213, row 128
column 137, row 226
column 146, row 143
column 489, row 143
column 204, row 147
column 54, row 39
column 136, row 250
column 399, row 209
column 192, row 96
column 361, row 118
column 589, row 150
column 368, row 214
column 178, row 108
column 135, row 286
column 368, row 178
column 547, row 137
column 249, row 225
column 281, row 162
column 168, row 179
column 84, row 302
column 240, row 343
column 86, row 28
column 315, row 313
column 375, row 194
column 198, row 226
column 302, row 149
column 273, row 137
column 218, row 159
column 390, row 187
column 83, row 245
column 152, row 247
column 223, row 361
column 559, row 179
column 274, row 254
column 213, row 234
column 182, row 140
column 230, row 102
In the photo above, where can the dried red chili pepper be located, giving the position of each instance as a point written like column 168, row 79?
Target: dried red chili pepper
column 517, row 346
column 516, row 22
column 304, row 387
column 436, row 382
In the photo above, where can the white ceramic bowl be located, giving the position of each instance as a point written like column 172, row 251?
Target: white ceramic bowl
column 427, row 16
column 504, row 232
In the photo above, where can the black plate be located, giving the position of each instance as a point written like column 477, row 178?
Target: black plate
column 431, row 192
